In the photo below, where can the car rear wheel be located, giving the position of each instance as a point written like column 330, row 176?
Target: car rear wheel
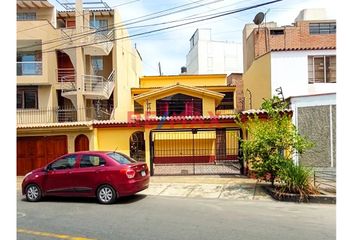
column 106, row 194
column 33, row 193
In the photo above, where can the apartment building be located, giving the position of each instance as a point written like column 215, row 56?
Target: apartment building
column 73, row 66
column 207, row 56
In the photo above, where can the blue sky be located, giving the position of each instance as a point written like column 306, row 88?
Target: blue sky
column 170, row 47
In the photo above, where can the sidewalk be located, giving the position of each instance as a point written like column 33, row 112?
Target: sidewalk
column 212, row 187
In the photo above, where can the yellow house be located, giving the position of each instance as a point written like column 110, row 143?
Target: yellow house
column 181, row 124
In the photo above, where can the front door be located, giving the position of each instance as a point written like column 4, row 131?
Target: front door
column 81, row 143
column 221, row 144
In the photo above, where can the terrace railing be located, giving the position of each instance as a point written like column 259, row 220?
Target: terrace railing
column 57, row 115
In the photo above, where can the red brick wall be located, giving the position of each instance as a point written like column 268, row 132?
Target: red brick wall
column 297, row 36
column 235, row 79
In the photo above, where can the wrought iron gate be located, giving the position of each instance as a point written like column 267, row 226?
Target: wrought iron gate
column 195, row 151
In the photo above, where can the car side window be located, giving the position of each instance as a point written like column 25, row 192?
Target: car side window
column 64, row 163
column 91, row 161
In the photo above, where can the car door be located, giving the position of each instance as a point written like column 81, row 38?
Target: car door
column 89, row 174
column 59, row 179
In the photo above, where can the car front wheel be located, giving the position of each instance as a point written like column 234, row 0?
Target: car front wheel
column 33, row 193
column 106, row 194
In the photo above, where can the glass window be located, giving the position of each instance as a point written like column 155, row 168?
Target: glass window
column 322, row 28
column 100, row 24
column 121, row 158
column 322, row 69
column 227, row 102
column 138, row 108
column 97, row 63
column 64, row 163
column 91, row 161
column 23, row 16
column 29, row 63
column 27, row 97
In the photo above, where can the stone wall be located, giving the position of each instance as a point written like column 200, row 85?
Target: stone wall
column 315, row 123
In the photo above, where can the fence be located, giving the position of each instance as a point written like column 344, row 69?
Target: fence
column 325, row 179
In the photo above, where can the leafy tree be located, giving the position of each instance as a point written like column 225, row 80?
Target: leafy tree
column 273, row 141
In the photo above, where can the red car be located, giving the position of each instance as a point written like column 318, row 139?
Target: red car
column 104, row 175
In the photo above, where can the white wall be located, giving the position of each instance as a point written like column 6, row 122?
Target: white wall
column 289, row 70
column 214, row 57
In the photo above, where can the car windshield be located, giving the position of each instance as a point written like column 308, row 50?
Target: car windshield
column 121, row 158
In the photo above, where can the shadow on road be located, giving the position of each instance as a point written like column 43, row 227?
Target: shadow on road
column 121, row 200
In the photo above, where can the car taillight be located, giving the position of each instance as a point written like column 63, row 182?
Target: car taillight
column 130, row 173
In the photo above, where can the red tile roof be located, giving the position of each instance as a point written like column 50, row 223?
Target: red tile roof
column 302, row 49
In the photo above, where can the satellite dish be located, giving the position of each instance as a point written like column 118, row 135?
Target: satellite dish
column 258, row 19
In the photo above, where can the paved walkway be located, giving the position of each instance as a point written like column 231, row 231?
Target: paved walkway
column 213, row 187
column 221, row 187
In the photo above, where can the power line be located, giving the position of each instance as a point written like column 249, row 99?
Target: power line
column 124, row 23
column 174, row 26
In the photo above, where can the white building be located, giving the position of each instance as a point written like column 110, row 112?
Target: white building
column 211, row 57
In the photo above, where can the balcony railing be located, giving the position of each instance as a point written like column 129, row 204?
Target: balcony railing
column 99, row 84
column 29, row 68
column 57, row 115
column 66, row 74
column 101, row 37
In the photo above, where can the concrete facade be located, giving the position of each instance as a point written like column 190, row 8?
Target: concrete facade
column 207, row 56
column 315, row 118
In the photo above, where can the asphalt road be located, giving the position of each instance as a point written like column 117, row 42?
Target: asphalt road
column 145, row 217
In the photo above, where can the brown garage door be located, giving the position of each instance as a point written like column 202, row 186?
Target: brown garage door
column 35, row 152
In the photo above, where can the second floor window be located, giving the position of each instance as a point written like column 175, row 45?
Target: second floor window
column 138, row 108
column 227, row 102
column 322, row 69
column 29, row 63
column 179, row 105
column 27, row 98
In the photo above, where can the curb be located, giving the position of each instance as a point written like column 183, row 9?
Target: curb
column 291, row 197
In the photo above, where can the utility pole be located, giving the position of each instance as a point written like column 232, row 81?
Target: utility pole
column 160, row 69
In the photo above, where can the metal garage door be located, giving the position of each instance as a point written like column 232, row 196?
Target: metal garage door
column 35, row 152
column 195, row 151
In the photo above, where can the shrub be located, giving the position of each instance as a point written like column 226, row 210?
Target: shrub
column 272, row 142
column 296, row 179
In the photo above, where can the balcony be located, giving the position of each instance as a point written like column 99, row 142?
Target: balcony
column 58, row 115
column 93, row 86
column 66, row 75
column 29, row 68
column 96, row 42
